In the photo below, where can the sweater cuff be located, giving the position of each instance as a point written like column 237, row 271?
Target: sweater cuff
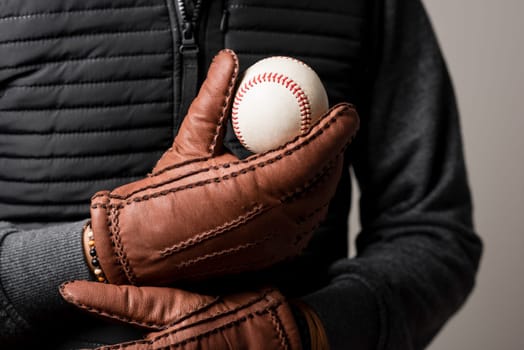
column 33, row 263
column 11, row 323
column 354, row 320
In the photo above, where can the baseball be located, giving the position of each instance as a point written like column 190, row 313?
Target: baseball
column 278, row 98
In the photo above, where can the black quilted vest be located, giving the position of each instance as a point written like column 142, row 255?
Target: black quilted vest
column 93, row 91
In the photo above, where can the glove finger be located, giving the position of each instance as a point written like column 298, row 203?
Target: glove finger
column 147, row 307
column 202, row 130
column 298, row 165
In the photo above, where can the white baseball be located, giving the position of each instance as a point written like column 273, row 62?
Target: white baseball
column 277, row 99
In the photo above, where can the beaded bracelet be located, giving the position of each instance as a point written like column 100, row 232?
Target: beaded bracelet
column 92, row 258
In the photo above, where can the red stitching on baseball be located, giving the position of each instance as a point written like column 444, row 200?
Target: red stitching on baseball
column 279, row 78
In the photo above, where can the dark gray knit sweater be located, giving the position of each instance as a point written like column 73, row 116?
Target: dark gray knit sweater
column 92, row 92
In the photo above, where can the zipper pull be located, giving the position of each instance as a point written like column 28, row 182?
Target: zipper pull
column 223, row 21
column 188, row 45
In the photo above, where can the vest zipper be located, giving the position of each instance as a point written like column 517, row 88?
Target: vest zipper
column 188, row 53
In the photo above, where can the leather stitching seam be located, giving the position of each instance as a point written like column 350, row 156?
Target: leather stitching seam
column 311, row 184
column 279, row 329
column 225, row 104
column 176, row 166
column 218, row 314
column 151, row 325
column 223, row 252
column 234, row 323
column 117, row 240
column 224, row 228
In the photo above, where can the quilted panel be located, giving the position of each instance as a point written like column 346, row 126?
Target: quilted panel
column 86, row 100
column 317, row 32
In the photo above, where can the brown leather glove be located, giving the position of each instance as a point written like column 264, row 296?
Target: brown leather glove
column 203, row 213
column 183, row 320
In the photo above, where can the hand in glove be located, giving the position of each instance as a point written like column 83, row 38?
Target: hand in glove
column 203, row 213
column 183, row 320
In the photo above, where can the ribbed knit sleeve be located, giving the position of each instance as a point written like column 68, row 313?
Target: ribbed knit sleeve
column 11, row 323
column 417, row 253
column 33, row 263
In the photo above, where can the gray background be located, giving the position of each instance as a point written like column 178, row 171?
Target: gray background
column 483, row 43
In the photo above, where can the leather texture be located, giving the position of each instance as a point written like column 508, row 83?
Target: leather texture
column 203, row 213
column 184, row 320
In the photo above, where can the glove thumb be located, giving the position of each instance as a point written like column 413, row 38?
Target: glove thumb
column 148, row 307
column 202, row 130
